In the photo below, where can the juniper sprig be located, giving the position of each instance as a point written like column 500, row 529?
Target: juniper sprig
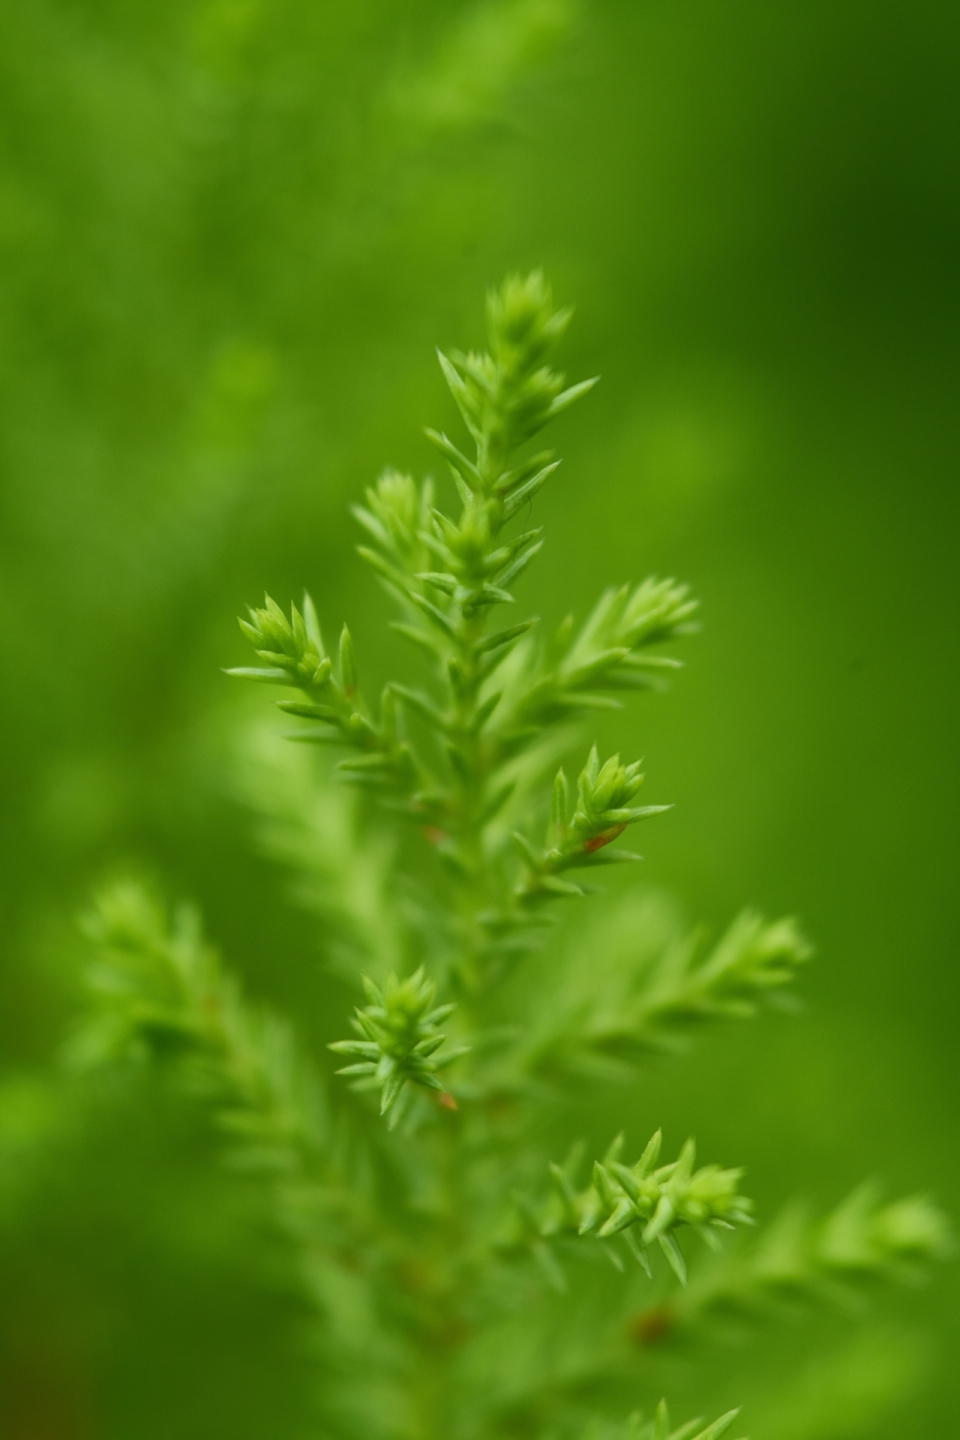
column 416, row 1238
column 294, row 651
column 645, row 1203
column 399, row 1039
column 450, row 575
column 801, row 1260
column 602, row 813
column 161, row 990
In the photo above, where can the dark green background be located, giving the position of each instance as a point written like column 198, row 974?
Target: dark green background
column 230, row 234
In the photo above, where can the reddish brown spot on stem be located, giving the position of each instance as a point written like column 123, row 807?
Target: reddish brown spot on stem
column 434, row 834
column 445, row 1099
column 604, row 838
column 651, row 1326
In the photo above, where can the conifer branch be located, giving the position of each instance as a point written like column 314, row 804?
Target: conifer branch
column 399, row 1040
column 160, row 990
column 803, row 1260
column 599, row 1023
column 449, row 575
column 609, row 654
column 461, row 753
column 295, row 656
column 602, row 813
column 644, row 1203
column 340, row 871
column 752, row 963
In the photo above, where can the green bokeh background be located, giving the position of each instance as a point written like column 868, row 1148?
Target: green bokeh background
column 230, row 234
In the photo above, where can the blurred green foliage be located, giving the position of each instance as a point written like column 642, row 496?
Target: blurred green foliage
column 231, row 234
